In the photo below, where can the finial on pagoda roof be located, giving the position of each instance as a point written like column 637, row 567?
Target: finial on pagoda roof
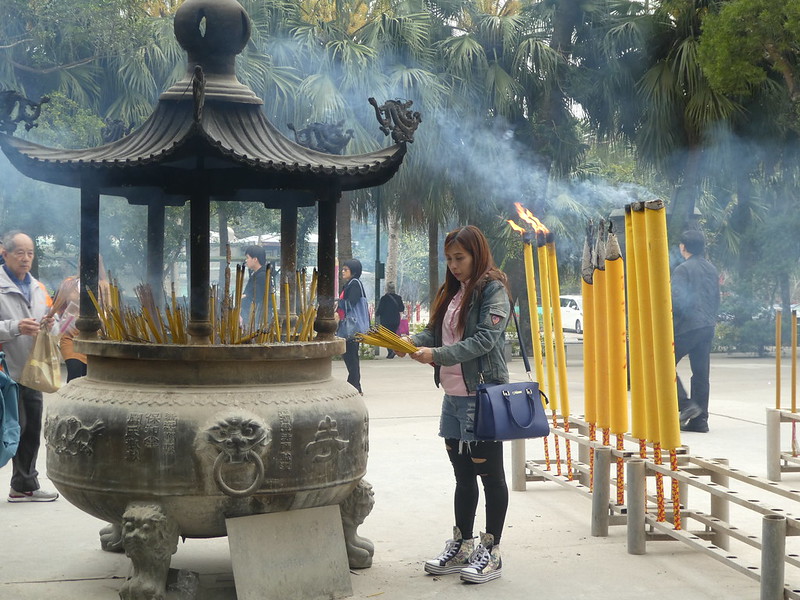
column 395, row 117
column 212, row 32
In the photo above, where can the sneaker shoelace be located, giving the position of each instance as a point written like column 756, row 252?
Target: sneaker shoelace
column 450, row 550
column 480, row 558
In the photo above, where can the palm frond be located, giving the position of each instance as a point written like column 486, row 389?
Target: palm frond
column 463, row 55
column 322, row 93
column 502, row 90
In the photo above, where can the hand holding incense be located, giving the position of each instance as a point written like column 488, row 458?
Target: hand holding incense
column 386, row 338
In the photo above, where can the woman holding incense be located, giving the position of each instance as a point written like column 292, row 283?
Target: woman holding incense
column 464, row 342
column 352, row 292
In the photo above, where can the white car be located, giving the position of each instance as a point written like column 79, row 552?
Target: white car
column 572, row 313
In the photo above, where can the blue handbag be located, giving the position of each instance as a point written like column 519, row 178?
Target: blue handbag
column 510, row 411
column 356, row 317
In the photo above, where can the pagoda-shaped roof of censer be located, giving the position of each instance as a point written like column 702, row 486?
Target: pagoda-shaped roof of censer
column 208, row 131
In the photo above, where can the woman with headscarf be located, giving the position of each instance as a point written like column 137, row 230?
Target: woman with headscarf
column 351, row 295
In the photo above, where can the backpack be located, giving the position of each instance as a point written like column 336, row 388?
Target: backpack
column 9, row 414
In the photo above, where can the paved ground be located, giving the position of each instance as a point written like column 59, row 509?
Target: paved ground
column 52, row 550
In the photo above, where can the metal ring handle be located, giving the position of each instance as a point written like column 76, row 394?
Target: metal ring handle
column 251, row 456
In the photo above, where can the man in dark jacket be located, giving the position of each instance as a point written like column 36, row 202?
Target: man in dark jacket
column 256, row 261
column 695, row 302
column 389, row 311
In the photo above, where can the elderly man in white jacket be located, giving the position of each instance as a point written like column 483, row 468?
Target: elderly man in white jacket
column 23, row 309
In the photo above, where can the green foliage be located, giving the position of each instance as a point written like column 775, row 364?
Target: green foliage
column 748, row 41
column 752, row 337
column 64, row 123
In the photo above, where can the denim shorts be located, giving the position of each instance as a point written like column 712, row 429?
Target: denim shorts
column 458, row 418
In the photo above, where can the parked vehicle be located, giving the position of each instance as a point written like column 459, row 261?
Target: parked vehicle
column 572, row 313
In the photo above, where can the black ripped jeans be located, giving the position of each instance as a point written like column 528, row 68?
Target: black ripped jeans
column 482, row 460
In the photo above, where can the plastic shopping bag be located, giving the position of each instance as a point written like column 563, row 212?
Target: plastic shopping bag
column 43, row 370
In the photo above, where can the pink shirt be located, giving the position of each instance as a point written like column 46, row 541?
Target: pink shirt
column 452, row 378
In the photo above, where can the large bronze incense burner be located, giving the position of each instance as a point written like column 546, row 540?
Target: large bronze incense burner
column 206, row 435
column 177, row 440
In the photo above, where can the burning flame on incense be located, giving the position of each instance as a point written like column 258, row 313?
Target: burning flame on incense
column 528, row 217
column 516, row 227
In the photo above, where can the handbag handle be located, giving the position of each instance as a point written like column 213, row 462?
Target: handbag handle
column 529, row 404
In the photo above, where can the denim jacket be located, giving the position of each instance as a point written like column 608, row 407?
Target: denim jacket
column 481, row 347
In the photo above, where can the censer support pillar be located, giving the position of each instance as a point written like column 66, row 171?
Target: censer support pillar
column 155, row 250
column 199, row 328
column 88, row 323
column 325, row 325
column 311, row 536
column 289, row 255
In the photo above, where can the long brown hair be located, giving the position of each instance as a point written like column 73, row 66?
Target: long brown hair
column 483, row 270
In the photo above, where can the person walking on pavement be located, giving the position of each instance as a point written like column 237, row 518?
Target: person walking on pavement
column 351, row 294
column 695, row 303
column 389, row 310
column 464, row 341
column 23, row 312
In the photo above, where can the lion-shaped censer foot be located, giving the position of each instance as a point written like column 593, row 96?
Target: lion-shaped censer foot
column 150, row 538
column 355, row 509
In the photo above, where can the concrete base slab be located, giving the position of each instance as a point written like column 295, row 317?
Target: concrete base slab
column 294, row 554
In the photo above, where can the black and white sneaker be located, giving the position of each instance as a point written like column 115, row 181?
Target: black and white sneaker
column 453, row 558
column 485, row 563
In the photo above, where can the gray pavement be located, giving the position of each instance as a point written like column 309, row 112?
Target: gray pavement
column 52, row 550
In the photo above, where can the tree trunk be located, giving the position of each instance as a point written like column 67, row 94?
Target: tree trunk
column 393, row 250
column 565, row 19
column 433, row 261
column 681, row 216
column 343, row 233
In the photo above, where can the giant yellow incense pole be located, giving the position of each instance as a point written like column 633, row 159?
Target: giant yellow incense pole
column 555, row 294
column 530, row 285
column 635, row 365
column 589, row 375
column 663, row 337
column 533, row 313
column 547, row 319
column 617, row 337
column 561, row 351
column 589, row 355
column 536, row 341
column 601, row 333
column 646, row 356
column 655, row 220
column 617, row 353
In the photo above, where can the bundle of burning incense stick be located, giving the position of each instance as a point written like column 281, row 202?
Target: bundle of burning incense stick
column 386, row 338
column 228, row 325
